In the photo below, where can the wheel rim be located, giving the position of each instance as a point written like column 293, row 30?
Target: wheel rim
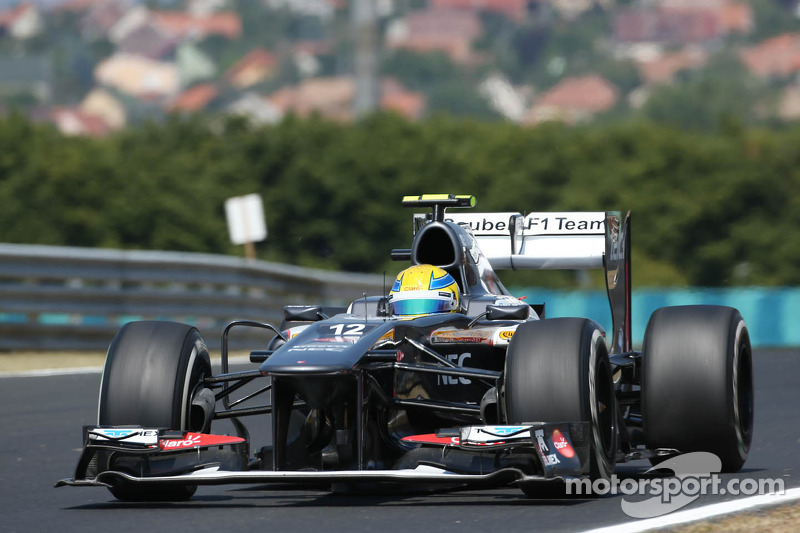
column 743, row 395
column 601, row 398
column 603, row 407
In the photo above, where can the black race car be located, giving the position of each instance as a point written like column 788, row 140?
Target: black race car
column 493, row 394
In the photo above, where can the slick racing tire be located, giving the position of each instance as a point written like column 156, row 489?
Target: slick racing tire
column 557, row 370
column 152, row 371
column 697, row 382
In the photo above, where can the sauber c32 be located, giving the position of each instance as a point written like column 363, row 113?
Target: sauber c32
column 495, row 394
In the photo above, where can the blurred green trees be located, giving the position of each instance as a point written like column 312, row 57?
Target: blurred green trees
column 708, row 209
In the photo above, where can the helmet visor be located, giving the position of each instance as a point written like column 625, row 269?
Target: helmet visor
column 440, row 303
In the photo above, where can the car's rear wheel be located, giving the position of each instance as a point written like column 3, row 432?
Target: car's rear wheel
column 557, row 370
column 152, row 371
column 697, row 382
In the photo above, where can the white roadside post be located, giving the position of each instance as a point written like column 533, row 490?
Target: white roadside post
column 246, row 224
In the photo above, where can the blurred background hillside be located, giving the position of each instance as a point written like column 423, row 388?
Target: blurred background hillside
column 94, row 66
column 125, row 124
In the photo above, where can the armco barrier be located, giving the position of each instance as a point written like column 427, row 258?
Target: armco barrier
column 62, row 298
column 769, row 312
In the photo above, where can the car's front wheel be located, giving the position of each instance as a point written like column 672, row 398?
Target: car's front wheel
column 152, row 372
column 557, row 370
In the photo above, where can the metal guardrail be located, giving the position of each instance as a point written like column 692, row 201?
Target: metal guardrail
column 59, row 298
column 64, row 298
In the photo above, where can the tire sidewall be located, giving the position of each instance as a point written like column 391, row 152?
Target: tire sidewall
column 604, row 432
column 741, row 386
column 194, row 365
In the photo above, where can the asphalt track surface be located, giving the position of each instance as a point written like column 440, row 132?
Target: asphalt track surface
column 40, row 435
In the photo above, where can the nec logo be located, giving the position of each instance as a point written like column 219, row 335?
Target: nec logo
column 459, row 361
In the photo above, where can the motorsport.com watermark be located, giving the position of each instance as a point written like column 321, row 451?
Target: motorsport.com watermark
column 696, row 474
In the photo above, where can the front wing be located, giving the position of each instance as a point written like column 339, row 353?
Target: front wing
column 553, row 452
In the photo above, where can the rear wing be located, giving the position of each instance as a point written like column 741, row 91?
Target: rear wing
column 538, row 240
column 562, row 240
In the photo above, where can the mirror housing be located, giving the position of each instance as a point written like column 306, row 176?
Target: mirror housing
column 303, row 313
column 383, row 307
column 507, row 312
column 401, row 254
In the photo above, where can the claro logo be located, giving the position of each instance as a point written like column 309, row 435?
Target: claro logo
column 561, row 445
column 190, row 441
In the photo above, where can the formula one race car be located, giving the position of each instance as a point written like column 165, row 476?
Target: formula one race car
column 447, row 381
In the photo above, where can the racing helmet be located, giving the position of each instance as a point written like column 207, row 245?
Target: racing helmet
column 424, row 290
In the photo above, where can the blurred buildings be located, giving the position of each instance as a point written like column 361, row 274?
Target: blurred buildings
column 94, row 66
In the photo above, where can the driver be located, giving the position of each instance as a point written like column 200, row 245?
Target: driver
column 423, row 290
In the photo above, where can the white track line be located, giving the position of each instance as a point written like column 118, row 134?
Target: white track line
column 44, row 372
column 701, row 513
